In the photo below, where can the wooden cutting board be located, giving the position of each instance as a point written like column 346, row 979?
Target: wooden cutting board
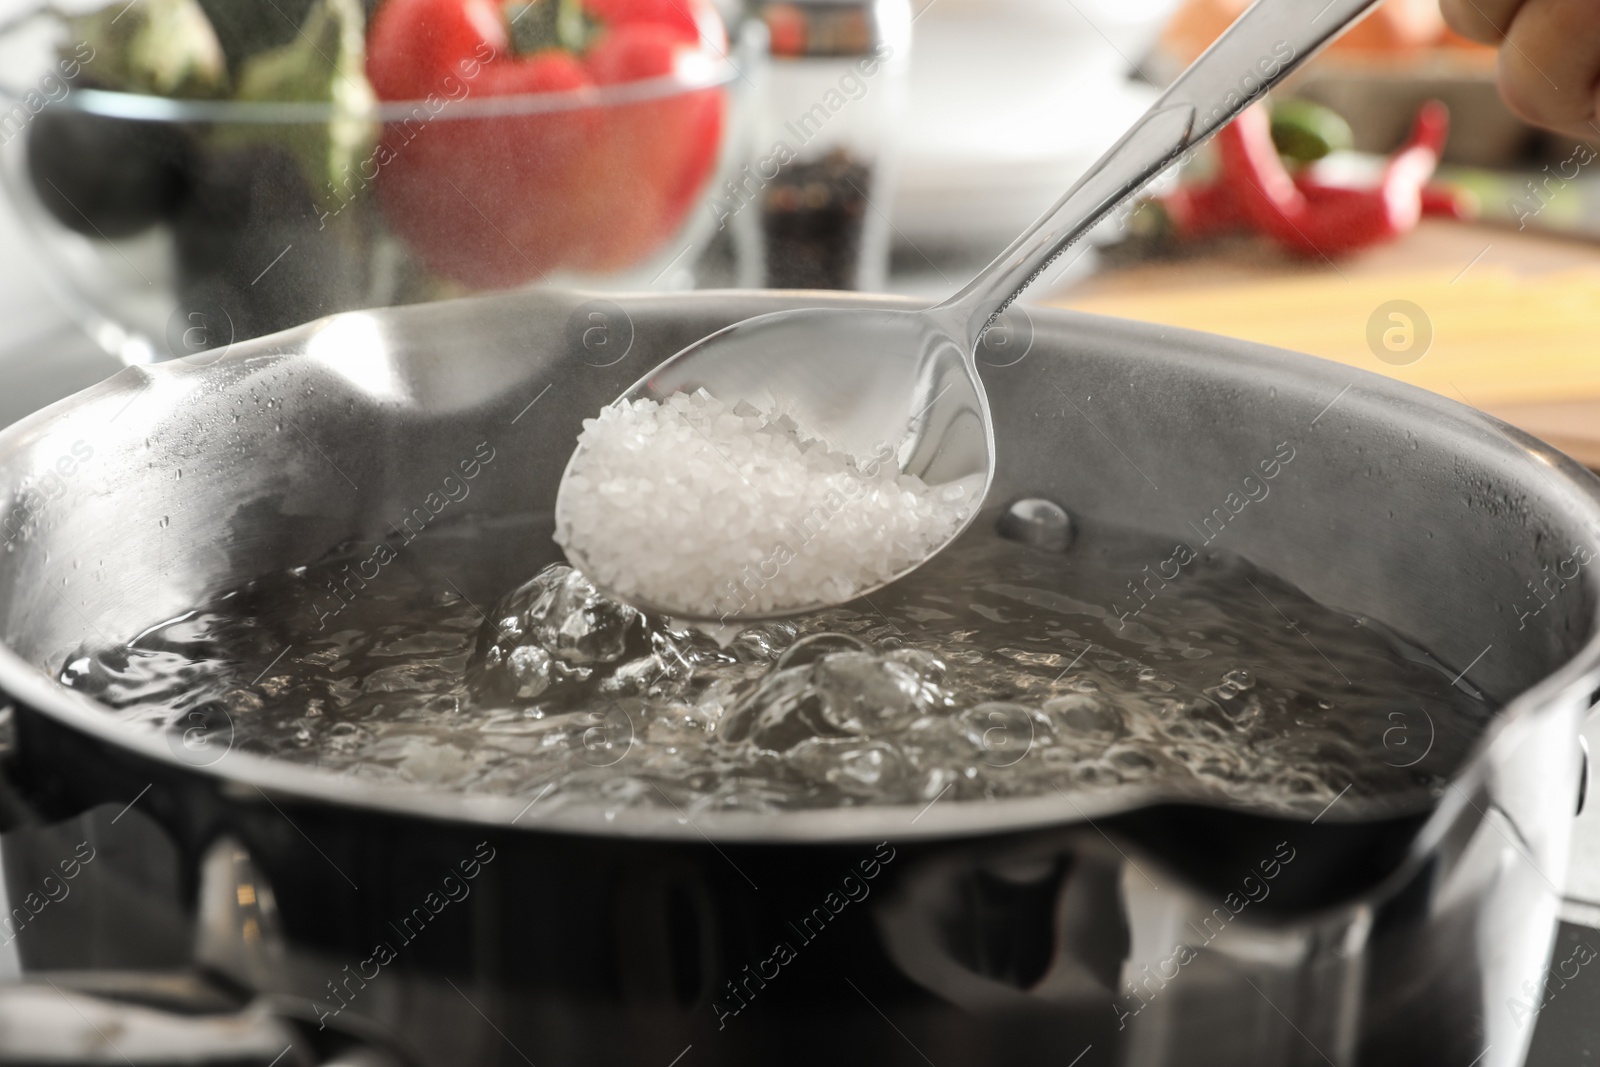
column 1515, row 318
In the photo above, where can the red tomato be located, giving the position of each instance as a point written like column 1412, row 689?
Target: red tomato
column 498, row 201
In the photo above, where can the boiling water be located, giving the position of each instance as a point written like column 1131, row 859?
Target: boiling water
column 996, row 670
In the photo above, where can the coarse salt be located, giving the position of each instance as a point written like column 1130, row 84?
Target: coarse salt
column 713, row 511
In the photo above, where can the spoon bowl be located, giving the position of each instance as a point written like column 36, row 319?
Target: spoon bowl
column 869, row 382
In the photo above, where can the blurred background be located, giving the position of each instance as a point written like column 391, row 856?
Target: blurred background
column 182, row 174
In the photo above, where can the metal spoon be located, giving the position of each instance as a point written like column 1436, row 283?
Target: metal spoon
column 859, row 378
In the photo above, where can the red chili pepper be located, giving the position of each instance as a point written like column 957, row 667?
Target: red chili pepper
column 501, row 200
column 1201, row 210
column 1254, row 176
column 1343, row 220
column 1255, row 189
column 1448, row 202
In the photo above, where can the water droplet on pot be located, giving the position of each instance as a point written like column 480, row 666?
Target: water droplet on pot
column 1039, row 523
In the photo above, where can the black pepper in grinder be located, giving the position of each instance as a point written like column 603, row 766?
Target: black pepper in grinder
column 812, row 211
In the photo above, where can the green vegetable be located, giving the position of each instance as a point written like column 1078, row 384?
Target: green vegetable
column 540, row 24
column 246, row 27
column 1304, row 132
column 325, row 63
column 162, row 47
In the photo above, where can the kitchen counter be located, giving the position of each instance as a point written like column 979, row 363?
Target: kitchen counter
column 1499, row 319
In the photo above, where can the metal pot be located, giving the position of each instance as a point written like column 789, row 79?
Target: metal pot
column 1123, row 931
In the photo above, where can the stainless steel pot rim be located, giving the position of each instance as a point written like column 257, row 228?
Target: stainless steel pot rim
column 247, row 776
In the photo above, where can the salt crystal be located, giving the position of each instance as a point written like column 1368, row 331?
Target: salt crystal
column 718, row 511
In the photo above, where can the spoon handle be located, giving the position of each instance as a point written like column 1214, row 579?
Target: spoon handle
column 1263, row 46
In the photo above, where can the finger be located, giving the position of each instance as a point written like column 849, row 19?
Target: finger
column 1480, row 20
column 1550, row 64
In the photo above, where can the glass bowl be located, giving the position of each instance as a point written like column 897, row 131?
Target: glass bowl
column 177, row 226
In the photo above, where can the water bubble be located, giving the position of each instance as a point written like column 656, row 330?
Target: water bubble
column 929, row 666
column 634, row 676
column 854, row 766
column 763, row 642
column 841, row 694
column 936, row 781
column 863, row 692
column 529, row 666
column 1085, row 716
column 814, row 647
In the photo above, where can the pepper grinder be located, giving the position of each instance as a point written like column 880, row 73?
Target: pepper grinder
column 811, row 208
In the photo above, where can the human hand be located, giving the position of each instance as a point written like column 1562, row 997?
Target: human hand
column 1549, row 57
